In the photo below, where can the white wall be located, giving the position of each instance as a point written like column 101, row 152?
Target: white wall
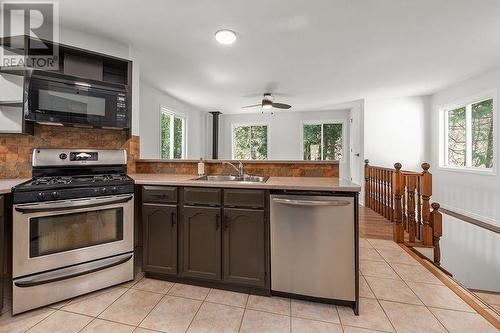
column 151, row 101
column 476, row 195
column 396, row 131
column 284, row 132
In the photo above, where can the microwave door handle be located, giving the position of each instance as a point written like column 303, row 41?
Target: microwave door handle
column 73, row 204
column 55, row 276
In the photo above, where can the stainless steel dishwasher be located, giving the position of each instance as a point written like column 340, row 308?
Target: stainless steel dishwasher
column 313, row 247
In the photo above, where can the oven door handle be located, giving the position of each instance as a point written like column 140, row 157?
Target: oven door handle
column 72, row 204
column 55, row 277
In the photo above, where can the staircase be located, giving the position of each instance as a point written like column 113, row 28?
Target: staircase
column 403, row 197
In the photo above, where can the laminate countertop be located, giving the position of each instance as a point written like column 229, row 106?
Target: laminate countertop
column 7, row 184
column 275, row 183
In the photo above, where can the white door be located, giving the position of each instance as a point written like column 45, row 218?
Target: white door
column 355, row 153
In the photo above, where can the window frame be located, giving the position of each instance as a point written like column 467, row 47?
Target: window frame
column 443, row 134
column 169, row 111
column 248, row 124
column 343, row 122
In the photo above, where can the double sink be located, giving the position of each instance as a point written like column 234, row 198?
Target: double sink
column 230, row 178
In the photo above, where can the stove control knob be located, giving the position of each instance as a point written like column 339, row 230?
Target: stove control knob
column 104, row 190
column 40, row 196
column 55, row 195
column 63, row 156
column 114, row 189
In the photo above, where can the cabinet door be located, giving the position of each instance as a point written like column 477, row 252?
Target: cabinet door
column 160, row 238
column 202, row 242
column 244, row 246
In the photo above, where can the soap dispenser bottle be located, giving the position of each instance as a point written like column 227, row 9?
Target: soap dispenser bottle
column 201, row 167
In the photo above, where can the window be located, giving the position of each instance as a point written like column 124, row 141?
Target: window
column 173, row 134
column 250, row 142
column 322, row 141
column 469, row 135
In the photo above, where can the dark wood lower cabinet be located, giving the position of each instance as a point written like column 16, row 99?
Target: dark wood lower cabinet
column 208, row 242
column 160, row 238
column 202, row 243
column 244, row 247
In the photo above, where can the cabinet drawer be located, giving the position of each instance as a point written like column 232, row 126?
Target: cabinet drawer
column 202, row 196
column 159, row 194
column 244, row 198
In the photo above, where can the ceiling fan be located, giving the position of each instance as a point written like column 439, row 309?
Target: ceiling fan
column 268, row 103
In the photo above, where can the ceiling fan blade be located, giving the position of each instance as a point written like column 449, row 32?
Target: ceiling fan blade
column 281, row 106
column 251, row 106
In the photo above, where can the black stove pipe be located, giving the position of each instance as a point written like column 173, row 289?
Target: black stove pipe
column 215, row 134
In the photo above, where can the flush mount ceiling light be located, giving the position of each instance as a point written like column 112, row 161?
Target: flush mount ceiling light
column 225, row 37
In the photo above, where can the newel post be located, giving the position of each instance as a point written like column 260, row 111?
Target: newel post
column 367, row 184
column 398, row 187
column 437, row 231
column 426, row 191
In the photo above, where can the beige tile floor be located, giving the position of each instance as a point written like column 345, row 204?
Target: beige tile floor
column 397, row 295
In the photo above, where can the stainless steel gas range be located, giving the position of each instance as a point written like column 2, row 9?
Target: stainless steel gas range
column 73, row 226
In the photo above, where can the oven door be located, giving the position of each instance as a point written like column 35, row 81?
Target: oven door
column 58, row 234
column 76, row 103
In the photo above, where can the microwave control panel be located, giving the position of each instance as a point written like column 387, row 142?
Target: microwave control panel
column 121, row 109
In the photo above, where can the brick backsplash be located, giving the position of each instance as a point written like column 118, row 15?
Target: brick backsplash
column 268, row 169
column 16, row 149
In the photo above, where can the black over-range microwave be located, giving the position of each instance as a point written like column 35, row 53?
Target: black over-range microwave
column 67, row 102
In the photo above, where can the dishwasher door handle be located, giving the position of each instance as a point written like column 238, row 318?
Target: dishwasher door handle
column 298, row 202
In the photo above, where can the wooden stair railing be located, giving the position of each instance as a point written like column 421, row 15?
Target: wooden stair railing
column 403, row 197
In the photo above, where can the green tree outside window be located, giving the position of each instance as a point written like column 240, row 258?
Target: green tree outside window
column 250, row 142
column 322, row 142
column 470, row 137
column 172, row 136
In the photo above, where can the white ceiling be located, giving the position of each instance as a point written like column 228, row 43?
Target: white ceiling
column 317, row 53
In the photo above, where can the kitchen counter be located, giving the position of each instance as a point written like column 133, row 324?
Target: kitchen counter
column 277, row 183
column 7, row 184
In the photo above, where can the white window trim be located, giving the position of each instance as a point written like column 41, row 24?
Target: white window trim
column 168, row 110
column 443, row 134
column 343, row 122
column 234, row 125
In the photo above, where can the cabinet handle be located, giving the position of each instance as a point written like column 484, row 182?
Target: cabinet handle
column 173, row 219
column 226, row 222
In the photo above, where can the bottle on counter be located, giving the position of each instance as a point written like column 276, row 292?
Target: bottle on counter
column 201, row 167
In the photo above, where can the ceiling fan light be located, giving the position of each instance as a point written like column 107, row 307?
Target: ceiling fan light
column 225, row 37
column 267, row 106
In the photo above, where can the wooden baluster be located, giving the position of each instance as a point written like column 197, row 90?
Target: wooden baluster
column 372, row 188
column 437, row 231
column 405, row 222
column 389, row 195
column 411, row 207
column 397, row 183
column 392, row 197
column 391, row 201
column 381, row 184
column 377, row 196
column 386, row 195
column 419, row 209
column 426, row 191
column 384, row 190
column 367, row 184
